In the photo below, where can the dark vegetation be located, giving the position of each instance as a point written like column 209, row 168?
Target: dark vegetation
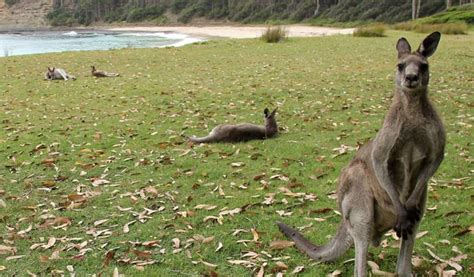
column 248, row 11
column 10, row 2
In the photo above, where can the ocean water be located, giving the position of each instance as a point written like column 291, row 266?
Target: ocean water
column 25, row 43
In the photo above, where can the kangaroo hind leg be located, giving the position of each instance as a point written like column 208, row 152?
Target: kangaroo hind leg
column 357, row 206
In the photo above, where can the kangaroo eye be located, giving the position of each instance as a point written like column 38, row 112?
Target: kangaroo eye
column 424, row 67
column 401, row 66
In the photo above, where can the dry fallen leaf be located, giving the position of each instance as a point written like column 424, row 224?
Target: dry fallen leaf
column 298, row 269
column 51, row 242
column 7, row 250
column 176, row 243
column 280, row 266
column 281, row 244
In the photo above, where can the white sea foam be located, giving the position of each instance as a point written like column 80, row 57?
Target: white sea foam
column 157, row 34
column 185, row 41
column 71, row 34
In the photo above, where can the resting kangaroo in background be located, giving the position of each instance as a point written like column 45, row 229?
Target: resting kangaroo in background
column 97, row 73
column 243, row 131
column 57, row 74
column 385, row 185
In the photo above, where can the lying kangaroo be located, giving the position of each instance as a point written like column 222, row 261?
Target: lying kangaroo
column 57, row 74
column 385, row 185
column 97, row 73
column 243, row 131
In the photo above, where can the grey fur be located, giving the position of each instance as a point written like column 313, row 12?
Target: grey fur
column 241, row 132
column 57, row 74
column 385, row 185
column 100, row 73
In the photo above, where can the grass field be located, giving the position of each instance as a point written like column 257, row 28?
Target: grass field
column 96, row 174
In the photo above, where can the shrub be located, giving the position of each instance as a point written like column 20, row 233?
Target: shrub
column 140, row 14
column 370, row 31
column 10, row 2
column 60, row 17
column 275, row 34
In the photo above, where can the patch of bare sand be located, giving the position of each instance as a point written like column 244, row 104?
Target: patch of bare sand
column 239, row 31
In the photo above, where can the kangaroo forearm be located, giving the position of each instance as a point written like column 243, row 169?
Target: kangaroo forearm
column 426, row 173
column 389, row 187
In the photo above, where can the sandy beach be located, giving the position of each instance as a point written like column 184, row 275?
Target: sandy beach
column 239, row 31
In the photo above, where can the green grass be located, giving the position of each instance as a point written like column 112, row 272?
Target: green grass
column 131, row 131
column 464, row 13
column 455, row 21
column 459, row 28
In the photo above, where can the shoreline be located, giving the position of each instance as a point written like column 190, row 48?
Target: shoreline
column 235, row 32
column 198, row 31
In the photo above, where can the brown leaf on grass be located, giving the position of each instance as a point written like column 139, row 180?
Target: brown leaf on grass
column 208, row 264
column 176, row 243
column 416, row 261
column 255, row 234
column 100, row 222
column 48, row 183
column 14, row 257
column 56, row 222
column 208, row 240
column 98, row 181
column 376, row 270
column 51, row 242
column 242, row 262
column 126, row 227
column 281, row 244
column 298, row 269
column 76, row 197
column 108, row 257
column 320, row 211
column 261, row 272
column 469, row 230
column 279, row 266
column 141, row 254
column 219, row 247
column 23, row 232
column 259, row 177
column 7, row 250
column 421, row 234
column 205, row 207
column 335, row 273
column 48, row 162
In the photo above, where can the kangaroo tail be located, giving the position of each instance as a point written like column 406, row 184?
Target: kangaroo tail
column 329, row 252
column 112, row 74
column 201, row 140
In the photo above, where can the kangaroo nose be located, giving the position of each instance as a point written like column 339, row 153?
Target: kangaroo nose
column 412, row 77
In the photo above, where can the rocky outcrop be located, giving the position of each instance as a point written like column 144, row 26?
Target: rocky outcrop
column 25, row 14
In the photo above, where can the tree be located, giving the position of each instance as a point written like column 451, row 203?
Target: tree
column 449, row 3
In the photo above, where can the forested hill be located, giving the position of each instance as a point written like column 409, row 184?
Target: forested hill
column 71, row 12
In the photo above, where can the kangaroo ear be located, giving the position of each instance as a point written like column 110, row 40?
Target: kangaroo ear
column 403, row 47
column 274, row 112
column 54, row 68
column 266, row 111
column 429, row 44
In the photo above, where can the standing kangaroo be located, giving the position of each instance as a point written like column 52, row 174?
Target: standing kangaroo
column 385, row 185
column 242, row 132
column 99, row 73
column 57, row 74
